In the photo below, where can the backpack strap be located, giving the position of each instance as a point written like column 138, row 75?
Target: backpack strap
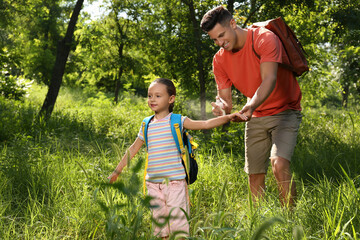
column 252, row 44
column 176, row 130
column 145, row 125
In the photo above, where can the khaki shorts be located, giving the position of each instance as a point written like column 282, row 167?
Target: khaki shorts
column 270, row 136
column 168, row 199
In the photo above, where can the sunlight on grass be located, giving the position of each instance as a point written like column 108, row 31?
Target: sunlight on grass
column 54, row 182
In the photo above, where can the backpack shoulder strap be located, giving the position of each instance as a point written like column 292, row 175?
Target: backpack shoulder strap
column 176, row 130
column 145, row 125
column 252, row 44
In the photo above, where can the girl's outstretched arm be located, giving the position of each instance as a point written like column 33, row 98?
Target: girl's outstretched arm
column 211, row 123
column 133, row 149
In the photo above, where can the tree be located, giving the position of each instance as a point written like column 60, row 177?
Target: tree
column 63, row 51
column 345, row 15
column 34, row 44
column 108, row 55
column 21, row 44
column 199, row 57
column 120, row 41
column 122, row 38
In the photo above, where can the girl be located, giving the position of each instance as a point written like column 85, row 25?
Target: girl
column 164, row 160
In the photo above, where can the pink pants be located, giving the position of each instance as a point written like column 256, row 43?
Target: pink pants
column 169, row 201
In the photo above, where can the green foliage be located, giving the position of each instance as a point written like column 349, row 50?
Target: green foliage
column 12, row 87
column 133, row 39
column 52, row 169
column 120, row 62
column 326, row 128
column 53, row 175
column 125, row 206
column 33, row 45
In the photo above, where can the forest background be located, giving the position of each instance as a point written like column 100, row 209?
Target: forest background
column 73, row 92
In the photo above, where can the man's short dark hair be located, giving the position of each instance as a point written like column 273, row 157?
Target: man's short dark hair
column 216, row 15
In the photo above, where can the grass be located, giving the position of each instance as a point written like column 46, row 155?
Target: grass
column 53, row 175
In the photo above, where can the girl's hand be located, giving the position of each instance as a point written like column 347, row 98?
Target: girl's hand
column 113, row 176
column 238, row 117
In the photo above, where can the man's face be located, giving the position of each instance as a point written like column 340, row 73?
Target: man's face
column 224, row 36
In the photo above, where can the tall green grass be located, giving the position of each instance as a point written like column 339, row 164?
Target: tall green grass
column 53, row 175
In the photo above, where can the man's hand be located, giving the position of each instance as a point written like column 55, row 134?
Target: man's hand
column 216, row 109
column 219, row 107
column 247, row 111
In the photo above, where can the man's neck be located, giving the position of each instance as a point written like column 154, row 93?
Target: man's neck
column 241, row 39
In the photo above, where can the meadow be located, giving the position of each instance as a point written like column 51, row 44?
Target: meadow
column 53, row 174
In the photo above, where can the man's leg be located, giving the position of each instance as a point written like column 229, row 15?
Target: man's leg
column 257, row 185
column 257, row 148
column 284, row 134
column 286, row 185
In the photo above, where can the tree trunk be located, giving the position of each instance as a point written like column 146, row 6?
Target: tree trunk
column 117, row 85
column 121, row 69
column 200, row 67
column 62, row 54
column 121, row 45
column 345, row 95
column 122, row 29
column 230, row 6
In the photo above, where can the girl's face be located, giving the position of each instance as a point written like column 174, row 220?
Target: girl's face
column 158, row 98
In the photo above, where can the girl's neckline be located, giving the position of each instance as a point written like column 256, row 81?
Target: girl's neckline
column 161, row 119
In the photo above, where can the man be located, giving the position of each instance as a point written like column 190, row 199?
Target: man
column 249, row 59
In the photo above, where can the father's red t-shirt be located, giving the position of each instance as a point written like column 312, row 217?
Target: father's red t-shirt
column 242, row 69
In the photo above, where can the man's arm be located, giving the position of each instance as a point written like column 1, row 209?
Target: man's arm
column 268, row 71
column 225, row 95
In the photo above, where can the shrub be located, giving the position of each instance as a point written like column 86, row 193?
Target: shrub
column 12, row 87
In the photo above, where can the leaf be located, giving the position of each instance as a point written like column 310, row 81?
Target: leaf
column 259, row 233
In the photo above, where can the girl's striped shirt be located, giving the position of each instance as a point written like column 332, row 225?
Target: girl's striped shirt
column 164, row 160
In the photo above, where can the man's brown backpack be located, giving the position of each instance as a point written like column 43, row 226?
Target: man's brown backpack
column 293, row 47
